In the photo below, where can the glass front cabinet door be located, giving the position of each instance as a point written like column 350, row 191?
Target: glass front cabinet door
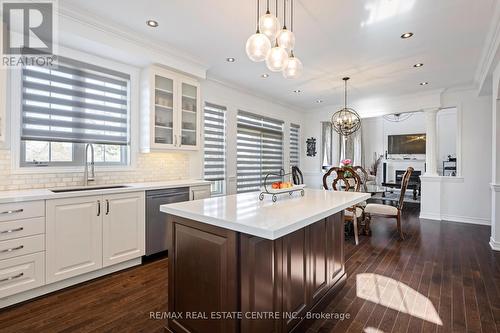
column 170, row 111
column 190, row 114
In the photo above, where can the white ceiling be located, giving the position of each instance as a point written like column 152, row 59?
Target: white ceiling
column 334, row 38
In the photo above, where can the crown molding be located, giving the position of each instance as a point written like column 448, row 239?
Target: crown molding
column 239, row 88
column 89, row 19
column 489, row 53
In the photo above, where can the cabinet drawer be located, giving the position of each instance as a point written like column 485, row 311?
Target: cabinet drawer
column 22, row 228
column 21, row 273
column 21, row 210
column 20, row 246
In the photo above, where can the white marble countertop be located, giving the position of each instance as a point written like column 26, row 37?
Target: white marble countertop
column 245, row 213
column 45, row 194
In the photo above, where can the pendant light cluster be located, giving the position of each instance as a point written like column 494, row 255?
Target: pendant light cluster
column 274, row 45
column 346, row 121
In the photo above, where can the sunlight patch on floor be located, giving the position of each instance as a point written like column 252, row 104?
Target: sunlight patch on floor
column 398, row 296
column 372, row 330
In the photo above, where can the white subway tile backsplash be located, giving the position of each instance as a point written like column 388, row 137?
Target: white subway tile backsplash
column 150, row 167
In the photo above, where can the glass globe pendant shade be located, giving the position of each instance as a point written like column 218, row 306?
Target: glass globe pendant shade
column 269, row 25
column 257, row 47
column 286, row 39
column 293, row 68
column 276, row 59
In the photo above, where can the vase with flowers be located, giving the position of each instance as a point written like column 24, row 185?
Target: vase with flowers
column 346, row 163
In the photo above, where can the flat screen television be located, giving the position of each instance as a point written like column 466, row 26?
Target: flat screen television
column 406, row 144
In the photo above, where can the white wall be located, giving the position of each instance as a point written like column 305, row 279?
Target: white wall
column 468, row 198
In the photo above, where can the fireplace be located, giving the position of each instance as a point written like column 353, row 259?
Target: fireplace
column 415, row 176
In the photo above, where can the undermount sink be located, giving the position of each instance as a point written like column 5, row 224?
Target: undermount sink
column 86, row 188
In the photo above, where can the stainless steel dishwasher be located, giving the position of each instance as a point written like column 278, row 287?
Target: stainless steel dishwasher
column 156, row 221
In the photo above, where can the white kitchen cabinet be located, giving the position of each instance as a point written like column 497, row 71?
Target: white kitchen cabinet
column 84, row 234
column 170, row 111
column 73, row 237
column 123, row 227
column 200, row 192
column 21, row 273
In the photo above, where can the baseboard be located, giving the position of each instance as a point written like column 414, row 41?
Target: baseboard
column 430, row 216
column 455, row 218
column 29, row 294
column 466, row 219
column 494, row 244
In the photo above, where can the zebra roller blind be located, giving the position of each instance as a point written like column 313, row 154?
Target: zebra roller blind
column 75, row 102
column 215, row 142
column 260, row 150
column 294, row 145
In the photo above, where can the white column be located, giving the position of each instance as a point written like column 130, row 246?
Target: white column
column 495, row 177
column 430, row 205
column 431, row 143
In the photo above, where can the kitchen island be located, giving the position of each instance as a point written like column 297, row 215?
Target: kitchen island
column 237, row 264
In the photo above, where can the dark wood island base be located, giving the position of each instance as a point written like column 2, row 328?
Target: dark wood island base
column 226, row 281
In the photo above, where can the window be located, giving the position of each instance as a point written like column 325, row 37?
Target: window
column 260, row 150
column 215, row 147
column 294, row 145
column 68, row 106
column 330, row 146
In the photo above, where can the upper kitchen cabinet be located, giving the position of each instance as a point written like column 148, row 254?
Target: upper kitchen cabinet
column 170, row 107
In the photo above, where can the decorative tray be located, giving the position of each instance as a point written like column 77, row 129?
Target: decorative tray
column 268, row 189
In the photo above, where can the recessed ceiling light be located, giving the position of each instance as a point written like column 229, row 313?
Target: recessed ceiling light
column 230, row 59
column 297, row 91
column 152, row 23
column 319, row 101
column 264, row 76
column 407, row 35
column 418, row 65
column 424, row 83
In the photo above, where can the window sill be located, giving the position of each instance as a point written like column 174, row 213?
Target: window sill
column 76, row 169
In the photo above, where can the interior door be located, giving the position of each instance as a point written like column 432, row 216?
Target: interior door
column 73, row 237
column 123, row 227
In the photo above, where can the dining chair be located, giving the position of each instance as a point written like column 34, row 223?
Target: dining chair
column 341, row 182
column 389, row 211
column 297, row 177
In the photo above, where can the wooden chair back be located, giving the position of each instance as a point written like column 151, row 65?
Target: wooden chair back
column 404, row 185
column 297, row 177
column 340, row 175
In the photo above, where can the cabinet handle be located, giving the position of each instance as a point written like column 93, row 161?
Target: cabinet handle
column 98, row 207
column 107, row 206
column 12, row 277
column 13, row 249
column 12, row 211
column 11, row 230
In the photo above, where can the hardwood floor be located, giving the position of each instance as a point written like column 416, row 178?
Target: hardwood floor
column 442, row 278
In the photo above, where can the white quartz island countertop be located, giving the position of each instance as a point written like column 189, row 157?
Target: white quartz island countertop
column 271, row 220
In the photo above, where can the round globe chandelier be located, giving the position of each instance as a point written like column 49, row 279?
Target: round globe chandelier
column 273, row 45
column 346, row 121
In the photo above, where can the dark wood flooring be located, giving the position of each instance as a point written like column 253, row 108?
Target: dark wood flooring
column 442, row 278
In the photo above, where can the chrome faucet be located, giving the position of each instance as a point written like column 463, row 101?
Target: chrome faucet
column 86, row 177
